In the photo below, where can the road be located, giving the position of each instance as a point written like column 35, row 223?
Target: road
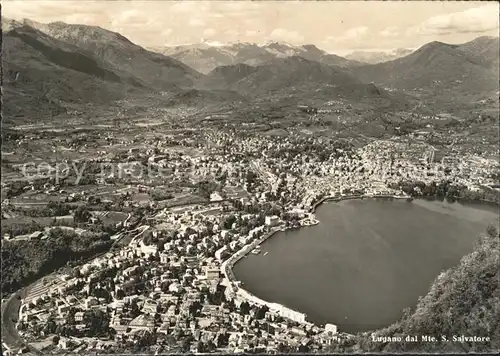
column 264, row 175
column 10, row 308
column 21, row 204
column 144, row 228
column 10, row 312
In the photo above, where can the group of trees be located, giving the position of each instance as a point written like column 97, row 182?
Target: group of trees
column 81, row 214
column 320, row 150
column 243, row 226
column 21, row 229
column 206, row 188
column 57, row 209
column 96, row 322
column 158, row 195
column 445, row 189
column 259, row 311
column 264, row 209
column 25, row 261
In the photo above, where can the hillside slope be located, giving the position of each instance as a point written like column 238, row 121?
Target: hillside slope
column 437, row 66
column 205, row 98
column 285, row 74
column 463, row 301
column 41, row 73
column 310, row 52
column 155, row 69
column 202, row 58
column 224, row 77
column 486, row 49
column 299, row 78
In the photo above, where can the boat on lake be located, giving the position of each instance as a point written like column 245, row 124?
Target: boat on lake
column 265, row 253
column 256, row 251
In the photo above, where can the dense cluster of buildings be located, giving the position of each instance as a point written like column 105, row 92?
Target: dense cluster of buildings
column 172, row 287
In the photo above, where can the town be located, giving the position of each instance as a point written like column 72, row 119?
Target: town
column 250, row 177
column 167, row 282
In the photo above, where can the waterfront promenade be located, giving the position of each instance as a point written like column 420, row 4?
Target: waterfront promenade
column 242, row 294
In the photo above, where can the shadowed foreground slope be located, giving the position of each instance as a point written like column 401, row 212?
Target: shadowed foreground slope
column 42, row 74
column 463, row 301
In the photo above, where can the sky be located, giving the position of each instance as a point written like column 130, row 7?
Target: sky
column 336, row 26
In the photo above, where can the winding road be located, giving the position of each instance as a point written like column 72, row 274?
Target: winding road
column 11, row 339
column 10, row 314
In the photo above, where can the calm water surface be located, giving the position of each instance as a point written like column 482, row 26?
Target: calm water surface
column 366, row 261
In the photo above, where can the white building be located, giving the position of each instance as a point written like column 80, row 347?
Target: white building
column 331, row 328
column 218, row 253
column 79, row 317
column 272, row 220
column 212, row 272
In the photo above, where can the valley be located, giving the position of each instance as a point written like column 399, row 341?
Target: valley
column 131, row 175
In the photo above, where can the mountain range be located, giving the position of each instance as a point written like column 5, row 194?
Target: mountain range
column 47, row 64
column 39, row 72
column 204, row 57
column 277, row 74
column 149, row 67
column 471, row 67
column 50, row 67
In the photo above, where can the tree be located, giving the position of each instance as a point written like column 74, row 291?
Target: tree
column 244, row 230
column 57, row 208
column 281, row 348
column 244, row 308
column 81, row 214
column 492, row 231
column 195, row 308
column 210, row 346
column 250, row 177
column 51, row 325
column 223, row 340
column 205, row 188
column 303, row 349
column 96, row 321
column 120, row 294
column 261, row 312
column 185, row 345
column 229, row 221
column 55, row 339
column 201, row 347
column 157, row 319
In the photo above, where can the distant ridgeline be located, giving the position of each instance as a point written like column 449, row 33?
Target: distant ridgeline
column 463, row 304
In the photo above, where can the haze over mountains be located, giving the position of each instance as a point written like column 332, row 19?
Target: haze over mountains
column 296, row 76
column 48, row 67
column 206, row 56
column 49, row 63
column 373, row 57
column 40, row 72
column 111, row 47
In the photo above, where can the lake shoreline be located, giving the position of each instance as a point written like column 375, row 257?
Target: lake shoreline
column 227, row 266
column 312, row 209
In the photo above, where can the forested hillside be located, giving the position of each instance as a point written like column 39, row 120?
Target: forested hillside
column 463, row 301
column 25, row 261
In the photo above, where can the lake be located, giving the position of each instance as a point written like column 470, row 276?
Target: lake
column 365, row 261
